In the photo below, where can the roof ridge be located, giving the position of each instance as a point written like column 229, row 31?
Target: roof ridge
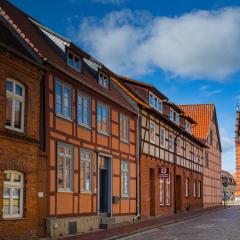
column 197, row 104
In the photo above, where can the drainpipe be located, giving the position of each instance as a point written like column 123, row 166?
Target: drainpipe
column 138, row 137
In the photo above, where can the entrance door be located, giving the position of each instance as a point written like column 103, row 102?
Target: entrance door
column 152, row 191
column 103, row 190
column 179, row 192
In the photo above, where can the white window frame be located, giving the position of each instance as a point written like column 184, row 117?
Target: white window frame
column 175, row 119
column 152, row 104
column 91, row 167
column 108, row 119
column 14, row 185
column 123, row 118
column 64, row 188
column 125, row 175
column 188, row 126
column 187, row 187
column 154, row 130
column 14, row 97
column 161, row 191
column 172, row 142
column 162, row 130
column 103, row 82
column 88, row 98
column 63, row 85
column 168, row 190
column 74, row 56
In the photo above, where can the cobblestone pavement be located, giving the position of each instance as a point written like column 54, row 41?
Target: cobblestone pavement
column 220, row 225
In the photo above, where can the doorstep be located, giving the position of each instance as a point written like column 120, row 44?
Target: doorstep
column 142, row 225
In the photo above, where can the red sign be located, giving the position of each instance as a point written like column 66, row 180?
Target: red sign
column 164, row 172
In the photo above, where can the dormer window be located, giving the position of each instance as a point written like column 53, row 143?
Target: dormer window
column 188, row 126
column 74, row 61
column 155, row 102
column 103, row 80
column 174, row 116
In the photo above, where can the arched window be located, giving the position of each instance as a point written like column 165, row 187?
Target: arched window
column 13, row 194
column 15, row 93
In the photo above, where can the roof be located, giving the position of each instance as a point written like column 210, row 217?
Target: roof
column 142, row 84
column 50, row 47
column 202, row 114
column 10, row 41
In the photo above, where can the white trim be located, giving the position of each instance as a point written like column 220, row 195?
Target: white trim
column 14, row 185
column 154, row 129
column 14, row 97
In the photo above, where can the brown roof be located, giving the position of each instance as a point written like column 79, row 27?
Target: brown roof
column 202, row 114
column 30, row 32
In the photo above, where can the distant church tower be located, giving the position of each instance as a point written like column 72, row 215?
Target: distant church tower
column 237, row 144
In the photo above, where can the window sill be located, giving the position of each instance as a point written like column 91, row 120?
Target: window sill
column 13, row 218
column 104, row 134
column 123, row 141
column 14, row 129
column 86, row 193
column 64, row 118
column 62, row 191
column 83, row 126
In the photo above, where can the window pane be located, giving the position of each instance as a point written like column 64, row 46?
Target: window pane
column 86, row 112
column 77, row 63
column 16, row 177
column 60, row 172
column 70, row 59
column 58, row 98
column 68, row 173
column 7, row 176
column 150, row 99
column 18, row 114
column 155, row 102
column 159, row 106
column 66, row 103
column 16, row 201
column 80, row 109
column 99, row 118
column 6, row 201
column 8, row 112
column 18, row 90
column 9, row 86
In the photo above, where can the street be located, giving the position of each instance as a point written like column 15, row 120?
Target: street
column 220, row 225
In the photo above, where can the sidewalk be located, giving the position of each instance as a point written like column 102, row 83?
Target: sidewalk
column 125, row 230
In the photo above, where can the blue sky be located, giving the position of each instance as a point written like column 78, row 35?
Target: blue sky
column 188, row 49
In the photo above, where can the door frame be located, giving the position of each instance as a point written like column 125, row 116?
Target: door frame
column 109, row 168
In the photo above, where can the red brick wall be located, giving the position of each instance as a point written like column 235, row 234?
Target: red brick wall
column 147, row 163
column 20, row 151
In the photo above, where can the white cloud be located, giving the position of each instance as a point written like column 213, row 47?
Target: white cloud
column 227, row 141
column 196, row 45
column 116, row 2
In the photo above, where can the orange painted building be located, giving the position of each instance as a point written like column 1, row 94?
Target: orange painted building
column 88, row 135
column 237, row 149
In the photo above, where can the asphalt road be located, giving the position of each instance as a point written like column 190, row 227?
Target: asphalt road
column 220, row 225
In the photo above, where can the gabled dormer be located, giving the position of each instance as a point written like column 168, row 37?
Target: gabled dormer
column 103, row 79
column 155, row 102
column 74, row 60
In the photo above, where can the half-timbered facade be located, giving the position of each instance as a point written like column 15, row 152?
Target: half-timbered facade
column 206, row 129
column 88, row 134
column 171, row 158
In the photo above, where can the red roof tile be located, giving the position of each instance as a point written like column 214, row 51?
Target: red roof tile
column 202, row 114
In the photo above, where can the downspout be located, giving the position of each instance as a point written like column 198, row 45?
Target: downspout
column 138, row 137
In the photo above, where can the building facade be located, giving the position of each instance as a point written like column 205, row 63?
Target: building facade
column 228, row 187
column 88, row 136
column 207, row 130
column 20, row 159
column 171, row 158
